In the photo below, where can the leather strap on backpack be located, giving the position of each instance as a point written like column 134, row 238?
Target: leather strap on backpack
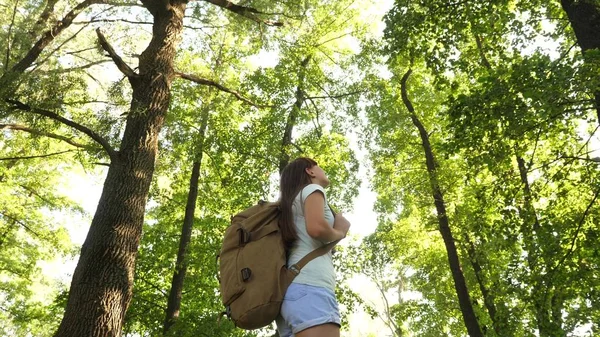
column 297, row 267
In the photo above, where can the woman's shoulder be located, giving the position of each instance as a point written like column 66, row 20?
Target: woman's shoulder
column 313, row 187
column 310, row 188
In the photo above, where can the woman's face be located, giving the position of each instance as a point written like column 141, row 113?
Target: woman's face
column 318, row 176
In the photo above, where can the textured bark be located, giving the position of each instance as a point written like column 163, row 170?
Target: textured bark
column 284, row 157
column 175, row 294
column 101, row 288
column 584, row 16
column 460, row 284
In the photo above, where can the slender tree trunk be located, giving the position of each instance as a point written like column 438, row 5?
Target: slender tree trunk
column 549, row 325
column 500, row 327
column 584, row 16
column 284, row 157
column 460, row 284
column 174, row 302
column 102, row 283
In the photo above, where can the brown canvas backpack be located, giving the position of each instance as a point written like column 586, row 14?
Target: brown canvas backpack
column 253, row 272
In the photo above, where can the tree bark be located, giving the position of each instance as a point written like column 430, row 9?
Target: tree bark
column 284, row 157
column 460, row 284
column 584, row 16
column 175, row 294
column 101, row 288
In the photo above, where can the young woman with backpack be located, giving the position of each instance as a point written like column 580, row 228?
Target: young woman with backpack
column 309, row 307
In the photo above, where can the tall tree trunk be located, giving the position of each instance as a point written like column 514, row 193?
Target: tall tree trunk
column 460, row 284
column 101, row 288
column 284, row 157
column 549, row 325
column 500, row 327
column 584, row 16
column 174, row 302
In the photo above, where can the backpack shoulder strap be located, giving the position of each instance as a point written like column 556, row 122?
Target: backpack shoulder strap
column 297, row 267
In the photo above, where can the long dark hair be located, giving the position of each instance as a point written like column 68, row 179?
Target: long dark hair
column 293, row 179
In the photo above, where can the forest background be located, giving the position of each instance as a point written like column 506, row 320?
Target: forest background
column 132, row 131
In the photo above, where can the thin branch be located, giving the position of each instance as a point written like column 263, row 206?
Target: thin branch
column 581, row 221
column 247, row 12
column 80, row 51
column 317, row 124
column 124, row 4
column 38, row 156
column 547, row 164
column 158, row 306
column 15, row 220
column 334, row 38
column 8, row 42
column 43, row 133
column 142, row 23
column 34, row 192
column 88, row 102
column 59, row 47
column 297, row 147
column 595, row 159
column 337, row 95
column 153, row 286
column 99, row 139
column 112, row 20
column 123, row 67
column 211, row 83
column 67, row 70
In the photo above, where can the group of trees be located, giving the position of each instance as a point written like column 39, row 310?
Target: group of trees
column 479, row 119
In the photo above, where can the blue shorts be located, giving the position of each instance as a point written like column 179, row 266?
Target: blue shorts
column 305, row 306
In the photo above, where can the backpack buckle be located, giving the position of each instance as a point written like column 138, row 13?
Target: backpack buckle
column 246, row 273
column 294, row 269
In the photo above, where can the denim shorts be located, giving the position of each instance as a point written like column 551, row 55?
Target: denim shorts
column 306, row 306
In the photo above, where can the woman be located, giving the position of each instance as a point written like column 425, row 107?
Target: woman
column 309, row 307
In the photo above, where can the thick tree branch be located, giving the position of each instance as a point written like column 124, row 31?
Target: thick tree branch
column 42, row 133
column 99, row 139
column 50, row 35
column 48, row 10
column 8, row 42
column 123, row 67
column 247, row 12
column 211, row 83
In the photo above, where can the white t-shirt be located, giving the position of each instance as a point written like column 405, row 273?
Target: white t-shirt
column 318, row 272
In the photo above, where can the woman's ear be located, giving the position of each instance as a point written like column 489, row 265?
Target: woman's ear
column 309, row 172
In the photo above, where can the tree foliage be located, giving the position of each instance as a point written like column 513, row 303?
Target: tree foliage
column 145, row 93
